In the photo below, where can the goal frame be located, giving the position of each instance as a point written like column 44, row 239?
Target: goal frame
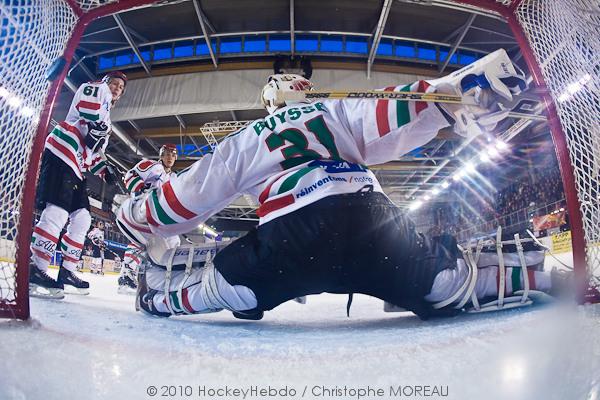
column 25, row 225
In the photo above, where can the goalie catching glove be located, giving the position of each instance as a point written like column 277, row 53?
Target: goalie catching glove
column 490, row 82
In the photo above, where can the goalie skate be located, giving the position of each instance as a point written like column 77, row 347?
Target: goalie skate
column 126, row 285
column 43, row 286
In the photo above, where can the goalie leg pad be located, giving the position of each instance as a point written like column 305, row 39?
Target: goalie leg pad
column 195, row 291
column 470, row 283
column 216, row 292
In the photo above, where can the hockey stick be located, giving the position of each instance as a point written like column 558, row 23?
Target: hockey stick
column 283, row 96
column 111, row 170
column 519, row 112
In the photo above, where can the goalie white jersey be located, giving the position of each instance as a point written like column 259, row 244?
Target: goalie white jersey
column 296, row 156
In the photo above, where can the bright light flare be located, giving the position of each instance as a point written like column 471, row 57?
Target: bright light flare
column 492, row 152
column 500, row 145
column 415, row 205
column 470, row 167
column 14, row 101
column 574, row 88
column 27, row 111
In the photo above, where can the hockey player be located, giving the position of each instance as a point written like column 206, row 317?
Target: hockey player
column 325, row 223
column 74, row 146
column 129, row 266
column 96, row 236
column 151, row 174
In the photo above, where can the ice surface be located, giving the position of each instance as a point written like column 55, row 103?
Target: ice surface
column 98, row 347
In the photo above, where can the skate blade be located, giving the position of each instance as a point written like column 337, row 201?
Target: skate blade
column 76, row 291
column 126, row 290
column 45, row 293
column 389, row 307
column 300, row 300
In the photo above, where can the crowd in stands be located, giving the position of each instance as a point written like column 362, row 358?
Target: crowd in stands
column 513, row 203
column 545, row 188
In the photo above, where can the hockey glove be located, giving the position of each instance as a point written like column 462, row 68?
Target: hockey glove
column 133, row 182
column 490, row 82
column 96, row 136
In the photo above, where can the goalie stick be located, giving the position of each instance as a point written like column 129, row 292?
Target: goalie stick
column 519, row 109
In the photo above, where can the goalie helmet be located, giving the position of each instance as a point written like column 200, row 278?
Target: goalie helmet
column 171, row 148
column 283, row 82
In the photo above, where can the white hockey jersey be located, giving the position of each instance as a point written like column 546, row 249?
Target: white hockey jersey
column 92, row 103
column 96, row 236
column 296, row 156
column 145, row 173
column 131, row 258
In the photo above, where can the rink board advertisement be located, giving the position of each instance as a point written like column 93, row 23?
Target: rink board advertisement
column 561, row 242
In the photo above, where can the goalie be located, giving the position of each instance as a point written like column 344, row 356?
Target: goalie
column 325, row 223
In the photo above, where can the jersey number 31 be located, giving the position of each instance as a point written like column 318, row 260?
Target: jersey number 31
column 298, row 152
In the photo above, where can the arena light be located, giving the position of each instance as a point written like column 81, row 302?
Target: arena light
column 435, row 191
column 14, row 101
column 445, row 185
column 426, row 197
column 4, row 93
column 208, row 230
column 415, row 205
column 574, row 88
column 27, row 111
column 500, row 145
column 470, row 167
column 459, row 175
column 484, row 157
column 492, row 152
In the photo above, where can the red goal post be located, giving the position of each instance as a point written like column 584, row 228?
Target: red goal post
column 555, row 37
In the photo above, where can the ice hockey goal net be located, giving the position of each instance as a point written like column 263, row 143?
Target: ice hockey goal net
column 558, row 39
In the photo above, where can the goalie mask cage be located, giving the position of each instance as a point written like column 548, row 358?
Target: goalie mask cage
column 558, row 39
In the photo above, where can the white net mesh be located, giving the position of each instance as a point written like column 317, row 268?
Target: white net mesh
column 34, row 34
column 565, row 38
column 87, row 5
